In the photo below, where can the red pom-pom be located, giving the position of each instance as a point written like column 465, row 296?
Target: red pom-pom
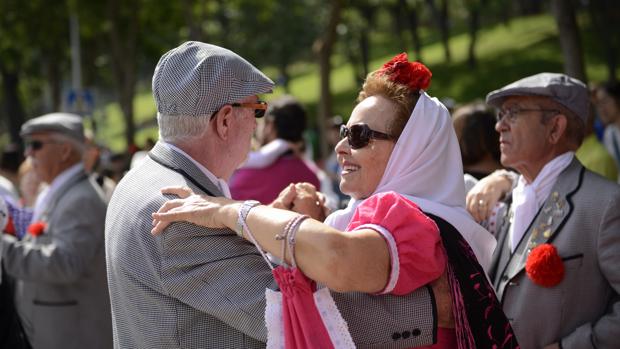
column 10, row 227
column 37, row 228
column 544, row 266
column 415, row 75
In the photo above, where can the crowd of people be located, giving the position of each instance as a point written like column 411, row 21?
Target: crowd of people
column 495, row 225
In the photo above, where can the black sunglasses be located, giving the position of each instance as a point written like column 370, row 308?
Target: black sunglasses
column 260, row 107
column 359, row 135
column 37, row 145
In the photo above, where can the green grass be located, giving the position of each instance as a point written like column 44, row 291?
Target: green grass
column 505, row 53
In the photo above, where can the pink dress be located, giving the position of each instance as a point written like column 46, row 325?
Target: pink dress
column 413, row 239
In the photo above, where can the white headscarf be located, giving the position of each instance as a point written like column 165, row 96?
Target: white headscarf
column 426, row 167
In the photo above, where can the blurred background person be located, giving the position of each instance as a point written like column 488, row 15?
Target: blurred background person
column 474, row 125
column 61, row 290
column 592, row 153
column 330, row 164
column 92, row 160
column 607, row 102
column 285, row 120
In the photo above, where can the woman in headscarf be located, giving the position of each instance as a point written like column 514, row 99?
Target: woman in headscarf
column 406, row 224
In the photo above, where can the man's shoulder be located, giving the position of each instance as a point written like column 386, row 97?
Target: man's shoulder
column 594, row 182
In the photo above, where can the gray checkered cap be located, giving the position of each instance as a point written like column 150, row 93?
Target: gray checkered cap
column 63, row 123
column 197, row 79
column 568, row 91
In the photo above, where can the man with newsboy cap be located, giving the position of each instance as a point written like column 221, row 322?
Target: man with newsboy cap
column 556, row 268
column 59, row 266
column 196, row 287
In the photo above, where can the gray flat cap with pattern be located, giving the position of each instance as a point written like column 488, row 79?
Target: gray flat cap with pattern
column 197, row 79
column 62, row 123
column 568, row 91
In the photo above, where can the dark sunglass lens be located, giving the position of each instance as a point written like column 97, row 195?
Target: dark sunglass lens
column 259, row 113
column 358, row 138
column 35, row 145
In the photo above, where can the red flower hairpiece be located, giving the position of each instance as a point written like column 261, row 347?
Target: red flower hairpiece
column 414, row 75
column 37, row 228
column 544, row 266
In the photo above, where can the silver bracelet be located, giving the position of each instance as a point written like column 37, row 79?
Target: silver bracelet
column 290, row 236
column 243, row 215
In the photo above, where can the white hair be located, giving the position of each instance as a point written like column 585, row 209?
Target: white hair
column 175, row 128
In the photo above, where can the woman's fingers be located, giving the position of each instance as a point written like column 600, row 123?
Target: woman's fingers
column 181, row 192
column 159, row 226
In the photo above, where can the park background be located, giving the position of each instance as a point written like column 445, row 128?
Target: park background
column 96, row 58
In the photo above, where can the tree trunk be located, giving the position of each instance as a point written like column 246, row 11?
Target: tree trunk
column 474, row 23
column 13, row 108
column 396, row 12
column 54, row 79
column 193, row 21
column 124, row 51
column 323, row 48
column 569, row 39
column 222, row 17
column 412, row 16
column 368, row 12
column 601, row 18
column 441, row 18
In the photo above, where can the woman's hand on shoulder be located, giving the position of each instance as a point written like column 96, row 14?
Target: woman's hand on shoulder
column 207, row 211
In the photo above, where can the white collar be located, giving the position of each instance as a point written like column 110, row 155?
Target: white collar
column 222, row 185
column 47, row 193
column 544, row 181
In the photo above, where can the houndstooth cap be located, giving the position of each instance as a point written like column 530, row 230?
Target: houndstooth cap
column 197, row 79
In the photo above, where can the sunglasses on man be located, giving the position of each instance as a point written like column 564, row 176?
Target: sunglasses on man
column 359, row 135
column 260, row 107
column 35, row 145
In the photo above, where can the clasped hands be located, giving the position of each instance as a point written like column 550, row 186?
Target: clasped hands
column 210, row 211
column 302, row 198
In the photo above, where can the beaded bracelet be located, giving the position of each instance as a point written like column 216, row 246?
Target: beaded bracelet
column 296, row 223
column 243, row 215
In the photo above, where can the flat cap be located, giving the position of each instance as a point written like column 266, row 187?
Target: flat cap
column 64, row 123
column 568, row 91
column 197, row 79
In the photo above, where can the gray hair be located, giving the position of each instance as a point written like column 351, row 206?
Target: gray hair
column 175, row 128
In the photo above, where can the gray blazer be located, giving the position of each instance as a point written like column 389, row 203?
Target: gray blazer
column 194, row 287
column 61, row 290
column 581, row 218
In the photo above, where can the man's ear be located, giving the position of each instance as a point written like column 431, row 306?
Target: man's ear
column 66, row 150
column 558, row 128
column 223, row 121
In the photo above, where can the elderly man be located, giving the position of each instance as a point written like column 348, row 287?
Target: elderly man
column 61, row 292
column 556, row 267
column 195, row 287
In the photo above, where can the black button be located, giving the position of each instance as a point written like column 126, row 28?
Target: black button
column 505, row 278
column 396, row 336
column 416, row 332
column 406, row 334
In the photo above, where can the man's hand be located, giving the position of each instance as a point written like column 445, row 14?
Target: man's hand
column 483, row 197
column 285, row 199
